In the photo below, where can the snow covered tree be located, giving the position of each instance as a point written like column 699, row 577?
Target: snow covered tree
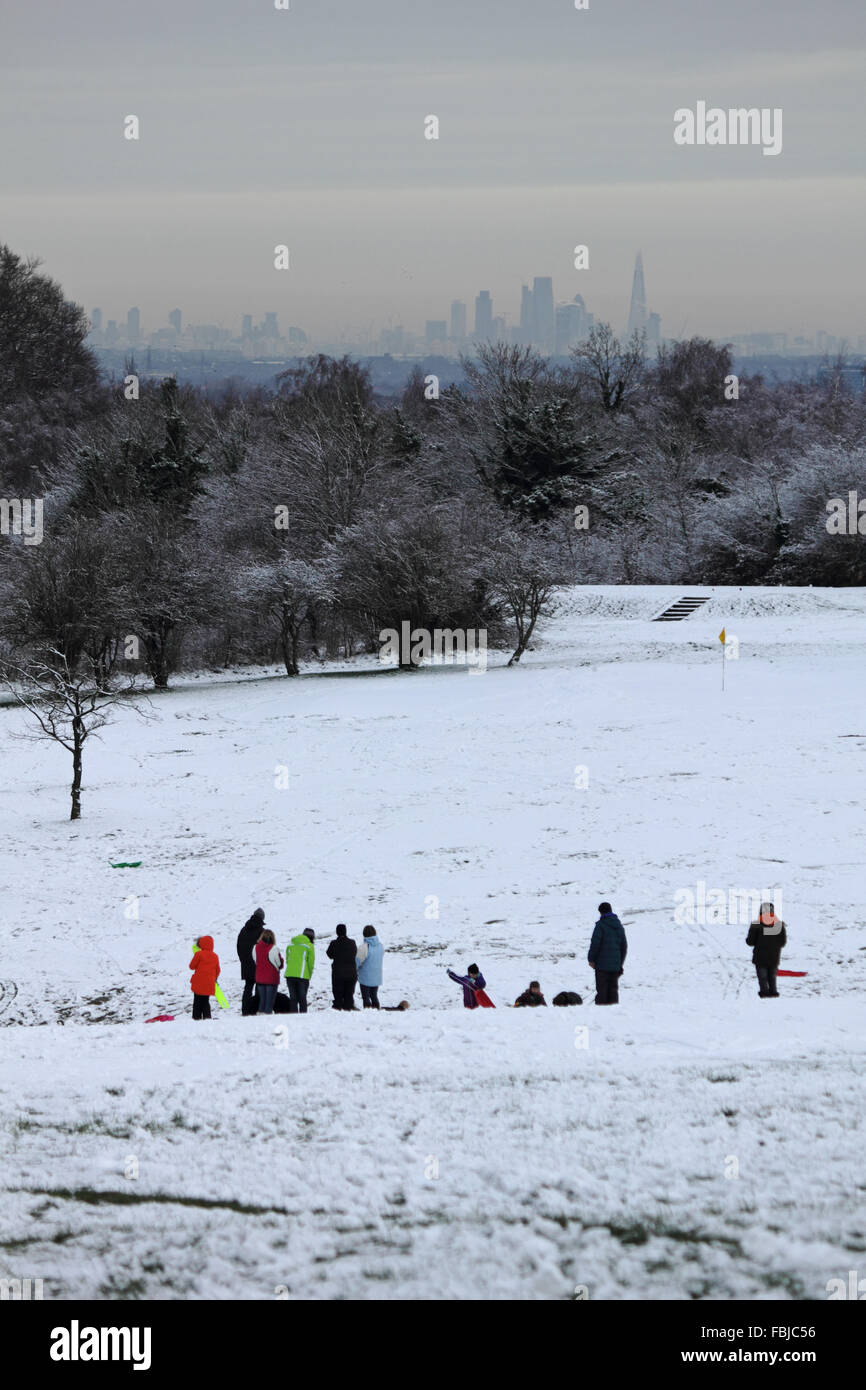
column 415, row 566
column 689, row 380
column 523, row 574
column 535, row 459
column 288, row 590
column 49, row 380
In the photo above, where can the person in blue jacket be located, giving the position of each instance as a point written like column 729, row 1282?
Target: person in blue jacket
column 369, row 962
column 606, row 954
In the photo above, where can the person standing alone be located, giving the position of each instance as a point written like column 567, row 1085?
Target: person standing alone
column 344, row 974
column 606, row 954
column 767, row 936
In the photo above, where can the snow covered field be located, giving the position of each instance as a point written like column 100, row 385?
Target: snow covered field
column 697, row 1142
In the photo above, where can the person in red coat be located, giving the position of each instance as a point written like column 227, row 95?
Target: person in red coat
column 269, row 963
column 205, row 967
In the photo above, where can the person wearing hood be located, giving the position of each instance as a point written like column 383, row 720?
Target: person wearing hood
column 767, row 936
column 606, row 954
column 247, row 938
column 300, row 963
column 205, row 967
column 369, row 963
column 344, row 974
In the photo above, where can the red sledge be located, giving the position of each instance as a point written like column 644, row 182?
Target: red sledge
column 484, row 1000
column 161, row 1018
column 792, row 972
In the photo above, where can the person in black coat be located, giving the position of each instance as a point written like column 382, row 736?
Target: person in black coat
column 344, row 972
column 767, row 936
column 530, row 998
column 607, row 952
column 247, row 938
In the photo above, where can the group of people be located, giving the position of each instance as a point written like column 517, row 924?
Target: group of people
column 263, row 965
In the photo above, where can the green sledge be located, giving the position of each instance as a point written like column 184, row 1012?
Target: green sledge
column 217, row 993
column 134, row 864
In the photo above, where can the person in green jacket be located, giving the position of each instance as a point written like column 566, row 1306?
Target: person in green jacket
column 300, row 960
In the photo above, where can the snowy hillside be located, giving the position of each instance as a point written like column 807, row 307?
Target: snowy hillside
column 469, row 817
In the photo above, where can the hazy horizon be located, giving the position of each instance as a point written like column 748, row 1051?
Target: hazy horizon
column 306, row 127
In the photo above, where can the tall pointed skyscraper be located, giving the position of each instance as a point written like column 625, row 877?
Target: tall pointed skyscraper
column 637, row 314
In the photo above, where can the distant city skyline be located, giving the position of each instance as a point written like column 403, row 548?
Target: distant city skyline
column 543, row 322
column 308, row 127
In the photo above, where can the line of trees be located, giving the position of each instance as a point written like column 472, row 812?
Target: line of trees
column 183, row 530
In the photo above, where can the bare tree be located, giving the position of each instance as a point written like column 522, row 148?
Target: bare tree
column 523, row 576
column 614, row 368
column 68, row 704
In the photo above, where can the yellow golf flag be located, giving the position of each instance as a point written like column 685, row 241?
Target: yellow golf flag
column 722, row 636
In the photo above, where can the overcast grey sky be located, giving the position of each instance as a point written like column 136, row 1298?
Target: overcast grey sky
column 306, row 127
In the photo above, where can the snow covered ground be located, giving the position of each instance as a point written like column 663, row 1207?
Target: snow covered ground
column 695, row 1142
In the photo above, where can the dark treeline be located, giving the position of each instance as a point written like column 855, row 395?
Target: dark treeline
column 180, row 531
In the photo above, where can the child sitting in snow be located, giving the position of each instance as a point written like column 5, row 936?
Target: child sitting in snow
column 530, row 998
column 205, row 967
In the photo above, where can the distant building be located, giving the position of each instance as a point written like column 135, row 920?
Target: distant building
column 654, row 330
column 133, row 326
column 175, row 318
column 458, row 321
column 391, row 340
column 270, row 328
column 483, row 317
column 527, row 316
column 96, row 320
column 570, row 325
column 637, row 314
column 246, row 327
column 544, row 320
column 111, row 333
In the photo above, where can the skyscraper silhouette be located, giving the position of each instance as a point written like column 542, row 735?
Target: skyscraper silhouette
column 544, row 330
column 637, row 315
column 527, row 316
column 483, row 316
